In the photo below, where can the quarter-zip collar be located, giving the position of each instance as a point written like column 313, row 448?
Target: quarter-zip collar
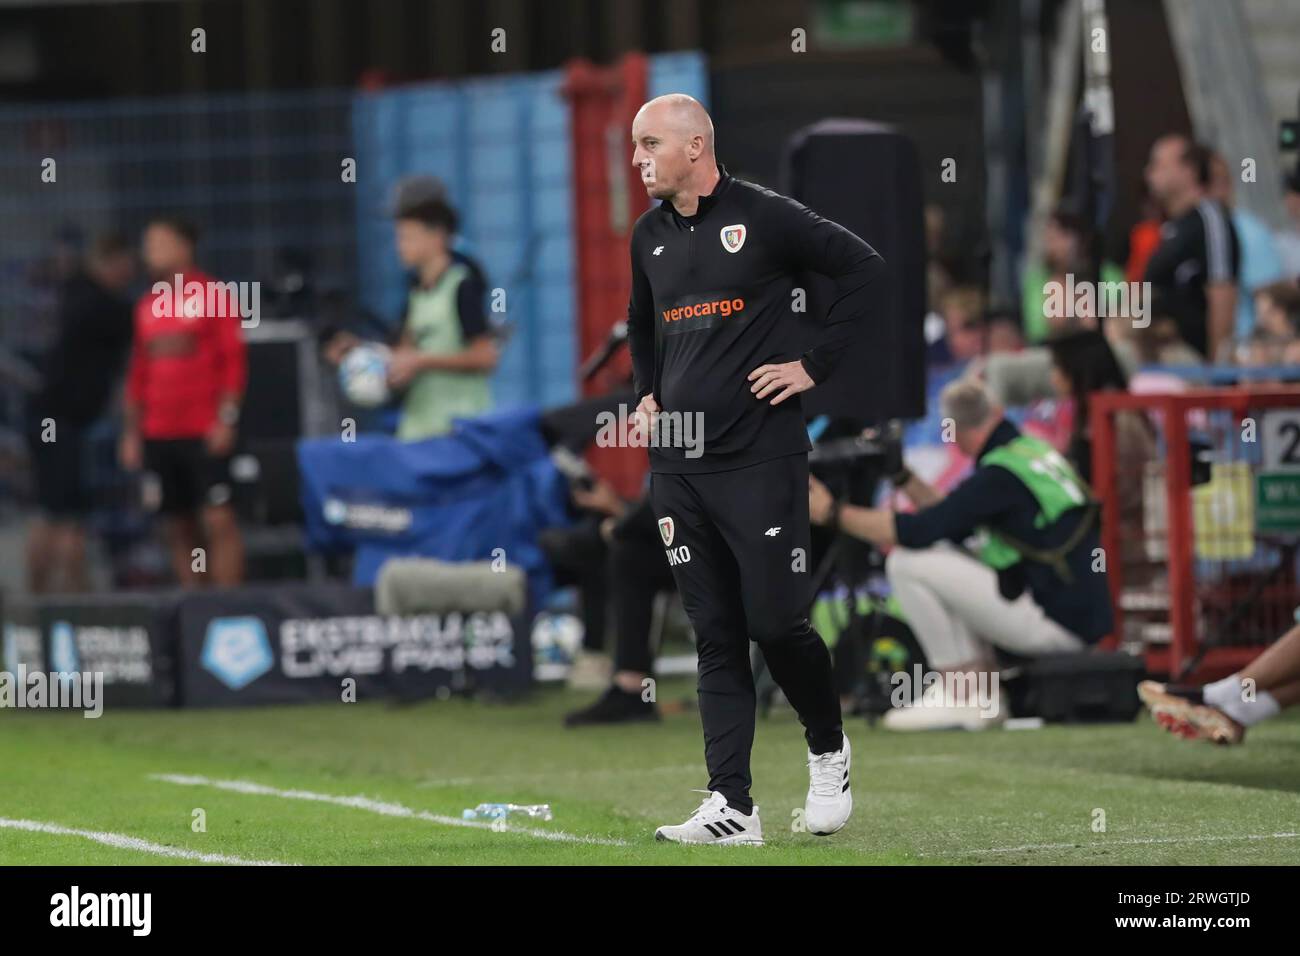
column 706, row 202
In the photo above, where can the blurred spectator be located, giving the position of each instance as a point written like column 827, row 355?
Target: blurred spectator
column 614, row 554
column 1291, row 354
column 1193, row 272
column 964, row 335
column 1260, row 350
column 1016, row 375
column 1260, row 263
column 1277, row 324
column 938, row 274
column 42, row 290
column 342, row 326
column 1144, row 237
column 184, row 389
column 1003, row 330
column 1082, row 366
column 637, row 572
column 944, row 271
column 1277, row 310
column 1067, row 250
column 91, row 340
column 579, row 557
column 1288, row 240
column 446, row 352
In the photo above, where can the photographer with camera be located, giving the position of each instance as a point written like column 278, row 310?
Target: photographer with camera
column 1035, row 588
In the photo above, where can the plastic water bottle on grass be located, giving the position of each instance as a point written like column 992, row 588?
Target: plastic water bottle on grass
column 504, row 811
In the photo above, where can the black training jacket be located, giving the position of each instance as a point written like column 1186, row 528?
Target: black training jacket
column 712, row 301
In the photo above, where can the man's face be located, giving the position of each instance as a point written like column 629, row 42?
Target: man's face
column 965, row 335
column 165, row 251
column 1167, row 175
column 1270, row 317
column 662, row 152
column 417, row 243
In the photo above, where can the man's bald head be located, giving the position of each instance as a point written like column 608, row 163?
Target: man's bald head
column 681, row 113
column 672, row 137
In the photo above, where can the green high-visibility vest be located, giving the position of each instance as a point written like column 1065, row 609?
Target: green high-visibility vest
column 438, row 396
column 1056, row 487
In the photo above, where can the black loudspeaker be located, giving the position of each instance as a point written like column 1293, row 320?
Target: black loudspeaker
column 867, row 177
column 283, row 401
column 273, row 399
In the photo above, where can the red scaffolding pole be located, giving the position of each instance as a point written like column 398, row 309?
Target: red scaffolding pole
column 607, row 199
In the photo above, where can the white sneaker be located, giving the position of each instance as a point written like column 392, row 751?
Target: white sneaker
column 933, row 712
column 715, row 822
column 830, row 801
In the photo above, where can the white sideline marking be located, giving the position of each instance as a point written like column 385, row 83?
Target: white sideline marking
column 123, row 842
column 620, row 772
column 1146, row 842
column 373, row 806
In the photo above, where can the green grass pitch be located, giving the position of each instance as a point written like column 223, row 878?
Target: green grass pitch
column 997, row 797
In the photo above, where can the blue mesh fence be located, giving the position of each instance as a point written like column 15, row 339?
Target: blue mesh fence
column 260, row 174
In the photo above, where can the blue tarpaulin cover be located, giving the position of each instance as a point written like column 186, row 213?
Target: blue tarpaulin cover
column 488, row 485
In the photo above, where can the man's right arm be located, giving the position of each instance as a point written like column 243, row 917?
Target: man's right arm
column 978, row 500
column 808, row 242
column 641, row 327
column 1221, row 259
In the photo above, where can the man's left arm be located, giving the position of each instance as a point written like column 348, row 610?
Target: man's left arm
column 814, row 244
column 809, row 243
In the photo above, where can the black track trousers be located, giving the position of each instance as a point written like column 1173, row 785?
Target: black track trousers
column 738, row 544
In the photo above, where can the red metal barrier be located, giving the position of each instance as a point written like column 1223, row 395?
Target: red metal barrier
column 608, row 197
column 1202, row 570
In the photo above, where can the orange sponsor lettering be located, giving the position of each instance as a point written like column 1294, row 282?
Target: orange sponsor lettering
column 723, row 307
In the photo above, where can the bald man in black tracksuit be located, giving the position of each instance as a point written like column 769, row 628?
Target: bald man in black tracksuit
column 710, row 318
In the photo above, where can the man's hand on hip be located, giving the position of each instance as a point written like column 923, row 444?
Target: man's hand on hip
column 645, row 413
column 789, row 378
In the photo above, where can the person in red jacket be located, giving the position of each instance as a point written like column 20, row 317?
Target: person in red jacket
column 184, row 387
